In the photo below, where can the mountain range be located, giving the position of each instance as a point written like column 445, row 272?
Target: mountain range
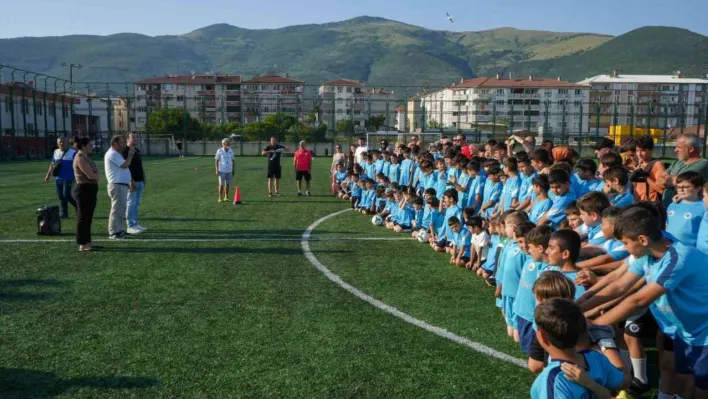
column 379, row 51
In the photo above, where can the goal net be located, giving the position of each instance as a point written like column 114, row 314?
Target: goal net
column 160, row 144
column 373, row 139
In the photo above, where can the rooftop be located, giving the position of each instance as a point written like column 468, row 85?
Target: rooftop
column 191, row 79
column 273, row 79
column 619, row 78
column 345, row 82
column 530, row 81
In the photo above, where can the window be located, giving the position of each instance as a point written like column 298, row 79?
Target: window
column 264, row 87
column 167, row 87
column 232, row 87
column 141, row 87
column 339, row 89
column 141, row 121
column 64, row 111
column 349, row 89
column 180, row 98
column 233, row 98
column 51, row 111
column 617, row 86
column 577, row 103
column 563, row 92
column 8, row 104
column 197, row 87
column 548, row 93
column 183, row 87
column 233, row 109
column 578, row 92
column 699, row 87
column 25, row 106
column 665, row 88
column 499, row 92
column 142, row 109
column 630, row 86
column 501, row 102
column 38, row 109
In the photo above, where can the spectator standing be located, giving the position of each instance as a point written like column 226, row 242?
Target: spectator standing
column 274, row 151
column 118, row 177
column 688, row 152
column 302, row 161
column 360, row 150
column 61, row 167
column 137, row 184
column 338, row 158
column 85, row 192
column 224, row 164
column 646, row 176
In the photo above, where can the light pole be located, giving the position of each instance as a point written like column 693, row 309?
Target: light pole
column 71, row 80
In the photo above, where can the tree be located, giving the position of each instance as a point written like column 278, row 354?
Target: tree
column 345, row 126
column 178, row 122
column 433, row 124
column 375, row 122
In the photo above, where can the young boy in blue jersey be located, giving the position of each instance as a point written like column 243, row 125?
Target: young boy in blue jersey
column 475, row 186
column 495, row 245
column 560, row 325
column 586, row 172
column 418, row 211
column 443, row 235
column 541, row 203
column 616, row 187
column 505, row 260
column 525, row 302
column 676, row 292
column 702, row 243
column 686, row 212
column 406, row 172
column 440, row 178
column 562, row 252
column 394, row 169
column 389, row 204
column 339, row 175
column 406, row 215
column 434, row 219
column 591, row 206
column 517, row 256
column 526, row 173
column 541, row 160
column 613, row 250
column 559, row 183
column 356, row 187
column 461, row 243
column 461, row 183
column 572, row 219
column 367, row 206
column 512, row 185
column 380, row 200
column 492, row 192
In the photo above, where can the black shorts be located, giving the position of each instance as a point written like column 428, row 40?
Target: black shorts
column 274, row 171
column 299, row 174
column 536, row 351
column 643, row 327
column 442, row 244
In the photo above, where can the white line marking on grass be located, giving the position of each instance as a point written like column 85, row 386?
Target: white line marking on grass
column 392, row 310
column 235, row 239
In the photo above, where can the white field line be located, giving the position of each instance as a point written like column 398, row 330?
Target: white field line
column 204, row 240
column 392, row 310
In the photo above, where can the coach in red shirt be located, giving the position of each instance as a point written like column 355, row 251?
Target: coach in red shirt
column 461, row 142
column 303, row 165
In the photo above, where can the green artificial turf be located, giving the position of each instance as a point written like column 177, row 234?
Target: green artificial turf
column 234, row 318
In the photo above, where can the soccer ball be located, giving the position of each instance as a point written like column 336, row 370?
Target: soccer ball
column 377, row 220
column 423, row 236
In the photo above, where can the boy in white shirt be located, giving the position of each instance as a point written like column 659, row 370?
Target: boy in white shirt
column 224, row 163
column 480, row 242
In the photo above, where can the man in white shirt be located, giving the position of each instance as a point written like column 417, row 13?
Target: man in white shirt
column 224, row 163
column 118, row 177
column 361, row 150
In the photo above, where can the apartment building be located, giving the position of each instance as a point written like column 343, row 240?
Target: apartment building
column 657, row 101
column 22, row 109
column 546, row 106
column 209, row 98
column 271, row 94
column 402, row 119
column 351, row 99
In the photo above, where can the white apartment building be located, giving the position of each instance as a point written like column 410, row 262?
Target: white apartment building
column 42, row 112
column 271, row 94
column 402, row 119
column 547, row 106
column 671, row 100
column 209, row 98
column 351, row 99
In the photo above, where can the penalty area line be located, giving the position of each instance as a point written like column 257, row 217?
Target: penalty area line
column 203, row 240
column 476, row 346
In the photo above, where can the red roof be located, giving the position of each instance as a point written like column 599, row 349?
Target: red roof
column 379, row 91
column 272, row 79
column 39, row 94
column 401, row 108
column 189, row 79
column 345, row 82
column 502, row 83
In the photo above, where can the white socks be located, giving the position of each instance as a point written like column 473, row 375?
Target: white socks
column 639, row 367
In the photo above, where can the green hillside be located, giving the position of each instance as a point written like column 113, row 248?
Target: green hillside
column 376, row 50
column 648, row 50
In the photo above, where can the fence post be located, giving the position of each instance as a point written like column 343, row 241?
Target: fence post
column 510, row 122
column 666, row 130
column 597, row 121
column 46, row 123
column 25, row 109
column 649, row 109
column 12, row 119
column 34, row 109
column 580, row 130
column 528, row 116
column 109, row 108
column 704, row 103
column 631, row 120
column 564, row 111
column 494, row 119
column 546, row 126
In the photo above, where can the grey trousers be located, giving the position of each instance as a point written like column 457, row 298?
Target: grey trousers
column 119, row 202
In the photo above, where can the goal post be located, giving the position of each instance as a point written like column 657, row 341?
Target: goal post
column 424, row 139
column 160, row 144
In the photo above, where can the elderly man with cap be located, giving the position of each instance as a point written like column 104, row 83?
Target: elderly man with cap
column 688, row 154
column 224, row 163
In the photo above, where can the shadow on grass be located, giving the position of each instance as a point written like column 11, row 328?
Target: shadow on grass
column 12, row 290
column 20, row 383
column 273, row 251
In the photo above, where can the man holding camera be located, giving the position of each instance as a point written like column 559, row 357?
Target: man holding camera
column 648, row 170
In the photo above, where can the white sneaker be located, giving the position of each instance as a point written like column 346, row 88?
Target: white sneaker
column 134, row 230
column 141, row 228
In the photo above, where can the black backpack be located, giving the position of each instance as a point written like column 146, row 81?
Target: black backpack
column 48, row 221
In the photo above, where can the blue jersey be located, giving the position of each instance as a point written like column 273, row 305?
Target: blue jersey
column 440, row 183
column 492, row 193
column 370, row 170
column 394, row 171
column 586, row 186
column 418, row 217
column 623, row 199
column 499, row 275
column 405, row 178
column 552, row 383
column 386, row 167
column 391, row 206
column 437, row 219
column 492, row 253
column 463, row 238
column 418, row 180
column 526, row 187
column 340, row 176
column 525, row 303
column 380, row 202
column 510, row 192
column 406, row 216
column 476, row 187
column 595, row 236
column 538, row 209
column 427, row 217
column 702, row 243
column 615, row 248
column 444, row 230
column 513, row 266
column 355, row 189
column 681, row 272
column 576, row 186
column 556, row 214
column 683, row 219
column 462, row 196
column 379, row 166
column 429, row 181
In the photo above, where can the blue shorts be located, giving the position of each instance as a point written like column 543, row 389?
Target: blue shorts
column 508, row 306
column 498, row 303
column 692, row 360
column 526, row 334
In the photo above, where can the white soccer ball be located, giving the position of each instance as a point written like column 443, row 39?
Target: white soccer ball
column 423, row 236
column 377, row 220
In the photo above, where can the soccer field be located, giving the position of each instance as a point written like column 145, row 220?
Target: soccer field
column 221, row 301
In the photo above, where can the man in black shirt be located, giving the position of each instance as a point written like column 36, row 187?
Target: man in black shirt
column 137, row 185
column 274, row 152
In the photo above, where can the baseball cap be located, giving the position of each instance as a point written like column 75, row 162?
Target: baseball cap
column 604, row 143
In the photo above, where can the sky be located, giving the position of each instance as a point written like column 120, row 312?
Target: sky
column 174, row 17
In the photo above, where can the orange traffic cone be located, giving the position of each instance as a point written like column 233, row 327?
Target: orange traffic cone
column 237, row 196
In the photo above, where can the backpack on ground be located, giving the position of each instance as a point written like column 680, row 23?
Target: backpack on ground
column 48, row 221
